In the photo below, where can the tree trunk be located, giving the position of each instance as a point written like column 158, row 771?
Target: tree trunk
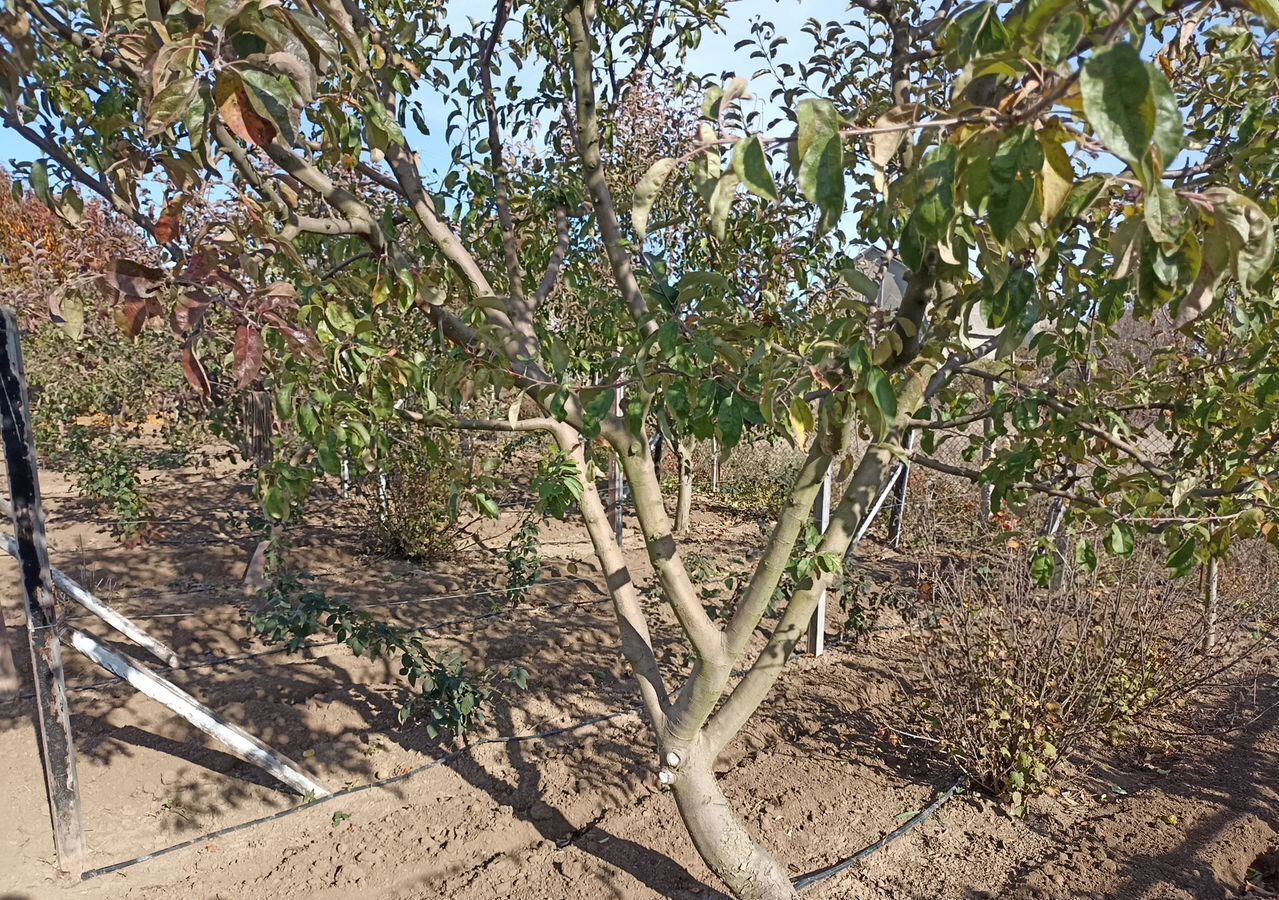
column 1210, row 605
column 684, row 499
column 748, row 870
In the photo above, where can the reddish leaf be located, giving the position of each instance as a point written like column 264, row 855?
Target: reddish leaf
column 130, row 315
column 248, row 355
column 193, row 369
column 189, row 311
column 133, row 280
column 167, row 228
column 280, row 296
column 233, row 106
column 200, row 264
column 297, row 338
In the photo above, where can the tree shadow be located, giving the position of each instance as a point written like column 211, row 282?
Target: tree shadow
column 522, row 795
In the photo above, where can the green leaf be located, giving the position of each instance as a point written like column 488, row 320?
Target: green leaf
column 881, row 393
column 271, row 98
column 1013, row 170
column 1061, row 38
column 1085, row 557
column 1267, row 9
column 40, row 180
column 1120, row 540
column 859, row 281
column 1247, row 228
column 750, row 162
column 1164, row 216
column 646, row 192
column 1181, row 560
column 1042, row 568
column 1169, row 131
column 821, row 169
column 721, row 203
column 935, row 202
column 711, row 103
column 170, row 105
column 818, row 122
column 1118, row 101
column 219, row 12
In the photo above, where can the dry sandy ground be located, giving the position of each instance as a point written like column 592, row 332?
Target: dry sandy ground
column 577, row 815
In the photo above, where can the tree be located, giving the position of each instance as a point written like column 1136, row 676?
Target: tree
column 1056, row 166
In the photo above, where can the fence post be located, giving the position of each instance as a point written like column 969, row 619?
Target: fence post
column 898, row 512
column 714, row 466
column 817, row 625
column 56, row 744
column 615, row 477
column 987, row 451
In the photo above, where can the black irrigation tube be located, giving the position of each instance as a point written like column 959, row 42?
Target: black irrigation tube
column 228, row 660
column 924, row 815
column 385, row 782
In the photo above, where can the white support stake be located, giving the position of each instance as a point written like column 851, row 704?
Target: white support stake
column 243, row 744
column 817, row 626
column 99, row 608
column 616, row 480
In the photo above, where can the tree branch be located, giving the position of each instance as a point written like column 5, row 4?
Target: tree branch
column 578, row 14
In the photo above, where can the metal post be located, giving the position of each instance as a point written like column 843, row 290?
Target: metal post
column 898, row 511
column 616, row 480
column 714, row 466
column 56, row 744
column 817, row 626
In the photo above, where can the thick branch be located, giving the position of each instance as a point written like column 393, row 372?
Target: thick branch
column 578, row 14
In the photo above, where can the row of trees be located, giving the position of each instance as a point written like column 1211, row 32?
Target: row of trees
column 1045, row 170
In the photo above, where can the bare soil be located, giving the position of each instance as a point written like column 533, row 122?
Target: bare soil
column 817, row 775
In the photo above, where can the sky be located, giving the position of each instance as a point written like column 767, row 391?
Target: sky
column 714, row 54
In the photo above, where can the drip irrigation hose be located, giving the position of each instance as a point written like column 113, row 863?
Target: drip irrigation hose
column 924, row 815
column 385, row 782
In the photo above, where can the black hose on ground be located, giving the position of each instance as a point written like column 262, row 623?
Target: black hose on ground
column 812, row 878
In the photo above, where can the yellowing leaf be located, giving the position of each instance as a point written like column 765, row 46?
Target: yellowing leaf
column 646, row 192
column 1059, row 178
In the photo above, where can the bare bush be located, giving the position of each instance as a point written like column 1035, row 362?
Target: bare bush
column 1015, row 677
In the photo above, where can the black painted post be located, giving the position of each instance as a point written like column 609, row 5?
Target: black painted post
column 37, row 588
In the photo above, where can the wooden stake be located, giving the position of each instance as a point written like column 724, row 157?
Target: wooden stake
column 56, row 744
column 243, row 744
column 817, row 625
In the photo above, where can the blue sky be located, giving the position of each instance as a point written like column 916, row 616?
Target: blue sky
column 715, row 53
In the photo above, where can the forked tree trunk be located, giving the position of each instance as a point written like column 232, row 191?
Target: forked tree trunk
column 748, row 870
column 684, row 498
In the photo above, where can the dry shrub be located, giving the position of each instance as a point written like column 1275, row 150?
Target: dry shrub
column 1014, row 677
column 411, row 506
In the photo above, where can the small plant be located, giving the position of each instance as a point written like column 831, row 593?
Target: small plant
column 865, row 599
column 523, row 563
column 106, row 468
column 447, row 698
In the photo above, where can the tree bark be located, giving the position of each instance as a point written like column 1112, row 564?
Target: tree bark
column 748, row 870
column 684, row 498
